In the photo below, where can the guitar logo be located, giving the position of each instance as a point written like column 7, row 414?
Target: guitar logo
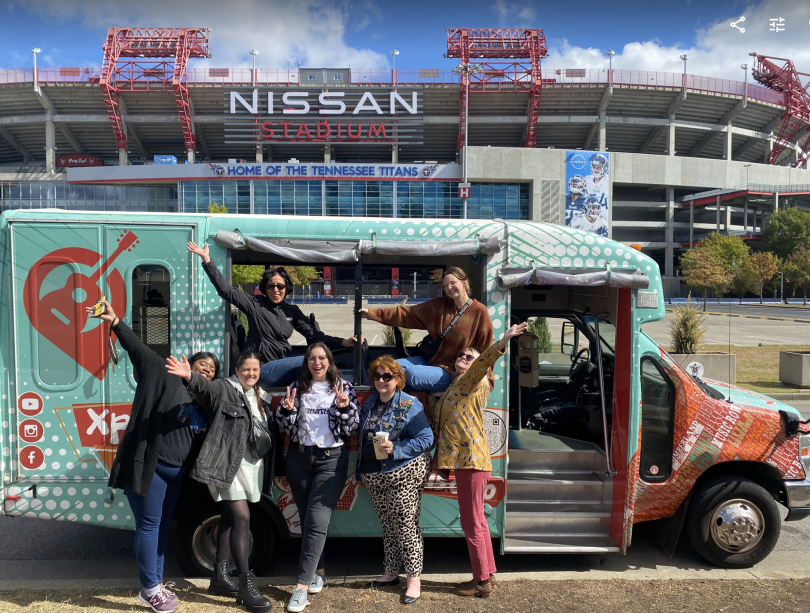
column 60, row 315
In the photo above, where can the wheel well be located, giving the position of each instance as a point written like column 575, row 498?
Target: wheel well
column 196, row 503
column 760, row 473
column 279, row 523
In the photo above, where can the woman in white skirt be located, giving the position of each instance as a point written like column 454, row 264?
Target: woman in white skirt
column 235, row 462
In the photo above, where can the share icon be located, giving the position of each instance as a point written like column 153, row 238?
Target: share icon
column 734, row 24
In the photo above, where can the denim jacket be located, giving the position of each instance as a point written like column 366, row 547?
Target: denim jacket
column 407, row 426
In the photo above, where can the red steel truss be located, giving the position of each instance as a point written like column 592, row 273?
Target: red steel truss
column 786, row 79
column 159, row 61
column 509, row 46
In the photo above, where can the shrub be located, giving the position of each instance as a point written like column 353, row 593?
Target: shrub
column 388, row 336
column 687, row 328
column 539, row 327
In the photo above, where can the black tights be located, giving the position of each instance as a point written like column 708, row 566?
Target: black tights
column 233, row 538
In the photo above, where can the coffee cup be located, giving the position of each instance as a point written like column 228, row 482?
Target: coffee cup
column 380, row 437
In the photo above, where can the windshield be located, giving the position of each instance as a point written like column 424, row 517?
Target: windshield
column 607, row 331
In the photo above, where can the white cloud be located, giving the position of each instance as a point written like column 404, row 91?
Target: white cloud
column 512, row 14
column 719, row 49
column 311, row 32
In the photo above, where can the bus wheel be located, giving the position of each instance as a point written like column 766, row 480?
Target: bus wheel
column 195, row 543
column 733, row 522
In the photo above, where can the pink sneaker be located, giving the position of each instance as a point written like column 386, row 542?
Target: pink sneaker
column 159, row 602
column 168, row 587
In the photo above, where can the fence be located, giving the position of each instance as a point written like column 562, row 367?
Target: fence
column 422, row 76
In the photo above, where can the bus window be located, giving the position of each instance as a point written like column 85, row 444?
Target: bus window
column 657, row 415
column 151, row 292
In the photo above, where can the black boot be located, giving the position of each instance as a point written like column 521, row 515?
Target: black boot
column 250, row 596
column 222, row 584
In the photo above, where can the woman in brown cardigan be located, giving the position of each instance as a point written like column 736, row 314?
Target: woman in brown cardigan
column 473, row 329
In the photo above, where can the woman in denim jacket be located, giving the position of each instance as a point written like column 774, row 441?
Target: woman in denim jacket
column 318, row 413
column 395, row 484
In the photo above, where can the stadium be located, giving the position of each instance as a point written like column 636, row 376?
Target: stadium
column 652, row 159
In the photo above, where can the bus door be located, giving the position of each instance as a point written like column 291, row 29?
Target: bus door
column 73, row 401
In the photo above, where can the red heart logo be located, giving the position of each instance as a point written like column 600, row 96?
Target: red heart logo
column 60, row 315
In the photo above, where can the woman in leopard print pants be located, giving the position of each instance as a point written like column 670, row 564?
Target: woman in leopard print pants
column 395, row 484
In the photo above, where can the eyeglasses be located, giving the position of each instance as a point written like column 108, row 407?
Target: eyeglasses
column 278, row 286
column 318, row 358
column 467, row 357
column 386, row 378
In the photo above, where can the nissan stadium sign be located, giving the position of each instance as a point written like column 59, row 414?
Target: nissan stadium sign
column 267, row 115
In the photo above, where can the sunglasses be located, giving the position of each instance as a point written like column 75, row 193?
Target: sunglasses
column 278, row 286
column 386, row 378
column 467, row 357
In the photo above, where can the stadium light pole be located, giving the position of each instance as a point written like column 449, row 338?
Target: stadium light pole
column 684, row 57
column 254, row 53
column 394, row 53
column 610, row 53
column 34, row 51
column 467, row 70
column 745, row 86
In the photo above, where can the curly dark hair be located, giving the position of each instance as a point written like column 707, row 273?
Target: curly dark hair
column 333, row 374
column 272, row 272
column 201, row 355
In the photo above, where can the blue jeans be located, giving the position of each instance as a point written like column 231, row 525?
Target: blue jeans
column 420, row 376
column 153, row 513
column 280, row 373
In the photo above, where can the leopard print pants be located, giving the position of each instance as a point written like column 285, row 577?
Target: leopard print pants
column 397, row 498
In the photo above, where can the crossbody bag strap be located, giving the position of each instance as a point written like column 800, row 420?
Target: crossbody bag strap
column 455, row 319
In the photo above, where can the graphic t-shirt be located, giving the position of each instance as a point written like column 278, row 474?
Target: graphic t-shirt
column 315, row 406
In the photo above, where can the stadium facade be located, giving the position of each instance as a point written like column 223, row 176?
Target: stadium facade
column 652, row 159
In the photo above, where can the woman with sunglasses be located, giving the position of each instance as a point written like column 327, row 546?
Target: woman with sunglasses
column 271, row 321
column 473, row 328
column 458, row 419
column 318, row 413
column 159, row 446
column 395, row 483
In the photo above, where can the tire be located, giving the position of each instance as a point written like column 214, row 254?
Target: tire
column 195, row 545
column 733, row 522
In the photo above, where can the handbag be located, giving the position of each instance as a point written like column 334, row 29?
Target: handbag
column 429, row 346
column 261, row 439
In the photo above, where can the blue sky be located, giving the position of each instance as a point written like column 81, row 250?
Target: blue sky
column 645, row 36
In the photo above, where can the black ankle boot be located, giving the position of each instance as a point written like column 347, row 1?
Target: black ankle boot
column 222, row 584
column 250, row 596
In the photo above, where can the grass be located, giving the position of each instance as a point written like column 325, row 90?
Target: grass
column 758, row 367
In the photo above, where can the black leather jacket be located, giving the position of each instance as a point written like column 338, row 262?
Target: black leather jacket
column 229, row 420
column 269, row 324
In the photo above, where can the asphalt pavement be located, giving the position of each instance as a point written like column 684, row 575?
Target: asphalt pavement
column 41, row 554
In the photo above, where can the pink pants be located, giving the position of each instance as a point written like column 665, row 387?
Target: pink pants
column 471, row 485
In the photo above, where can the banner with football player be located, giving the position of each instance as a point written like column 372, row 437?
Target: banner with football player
column 586, row 192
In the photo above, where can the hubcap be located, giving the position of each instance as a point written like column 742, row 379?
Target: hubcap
column 736, row 526
column 204, row 542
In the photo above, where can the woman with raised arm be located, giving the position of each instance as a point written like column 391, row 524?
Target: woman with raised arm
column 461, row 446
column 160, row 444
column 395, row 478
column 318, row 413
column 236, row 462
column 462, row 320
column 271, row 321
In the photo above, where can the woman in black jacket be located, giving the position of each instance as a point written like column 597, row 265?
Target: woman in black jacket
column 235, row 461
column 271, row 321
column 161, row 442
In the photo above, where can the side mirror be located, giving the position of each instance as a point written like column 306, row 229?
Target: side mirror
column 569, row 340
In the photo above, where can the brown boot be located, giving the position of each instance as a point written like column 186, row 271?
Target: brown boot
column 468, row 585
column 478, row 591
